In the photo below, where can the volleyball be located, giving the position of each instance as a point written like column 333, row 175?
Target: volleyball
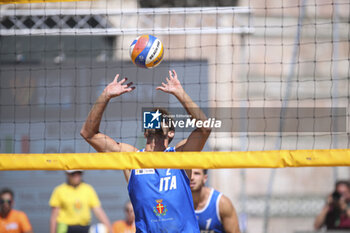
column 146, row 51
column 98, row 228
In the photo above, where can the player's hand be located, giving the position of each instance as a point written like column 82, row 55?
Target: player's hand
column 117, row 88
column 342, row 203
column 329, row 199
column 172, row 85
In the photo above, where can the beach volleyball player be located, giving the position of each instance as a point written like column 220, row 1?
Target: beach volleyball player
column 161, row 198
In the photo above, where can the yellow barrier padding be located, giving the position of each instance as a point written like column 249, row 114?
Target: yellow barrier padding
column 212, row 160
column 34, row 1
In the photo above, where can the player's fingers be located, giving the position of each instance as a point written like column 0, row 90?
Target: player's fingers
column 175, row 74
column 130, row 89
column 160, row 88
column 170, row 74
column 123, row 80
column 167, row 79
column 163, row 84
column 116, row 78
column 129, row 84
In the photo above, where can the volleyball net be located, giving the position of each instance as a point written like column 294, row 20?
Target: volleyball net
column 277, row 76
column 275, row 72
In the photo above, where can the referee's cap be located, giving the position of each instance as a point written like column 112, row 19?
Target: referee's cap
column 72, row 171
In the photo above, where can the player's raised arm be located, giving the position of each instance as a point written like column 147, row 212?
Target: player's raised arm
column 90, row 130
column 197, row 139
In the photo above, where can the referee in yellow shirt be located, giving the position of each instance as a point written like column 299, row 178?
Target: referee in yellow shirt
column 71, row 203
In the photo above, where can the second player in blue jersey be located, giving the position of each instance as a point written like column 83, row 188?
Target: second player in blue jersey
column 214, row 211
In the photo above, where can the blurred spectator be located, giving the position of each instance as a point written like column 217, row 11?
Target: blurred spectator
column 336, row 213
column 12, row 221
column 71, row 203
column 127, row 225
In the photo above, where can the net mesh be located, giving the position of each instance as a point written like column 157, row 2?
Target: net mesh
column 257, row 57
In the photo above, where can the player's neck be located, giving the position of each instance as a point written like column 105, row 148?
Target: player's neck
column 155, row 147
column 74, row 185
column 4, row 214
column 200, row 198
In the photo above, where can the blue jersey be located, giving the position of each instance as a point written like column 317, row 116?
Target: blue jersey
column 209, row 217
column 162, row 200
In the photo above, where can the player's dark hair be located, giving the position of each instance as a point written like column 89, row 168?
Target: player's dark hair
column 165, row 117
column 205, row 171
column 7, row 190
column 342, row 182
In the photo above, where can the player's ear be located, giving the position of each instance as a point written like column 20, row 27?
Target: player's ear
column 205, row 178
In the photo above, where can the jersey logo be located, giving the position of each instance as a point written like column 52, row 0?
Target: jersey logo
column 12, row 226
column 160, row 209
column 144, row 171
column 77, row 205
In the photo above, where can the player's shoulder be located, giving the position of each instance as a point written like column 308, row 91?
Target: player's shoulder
column 213, row 194
column 119, row 226
column 224, row 199
column 61, row 187
column 215, row 191
column 86, row 186
column 18, row 213
column 225, row 204
column 119, row 223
